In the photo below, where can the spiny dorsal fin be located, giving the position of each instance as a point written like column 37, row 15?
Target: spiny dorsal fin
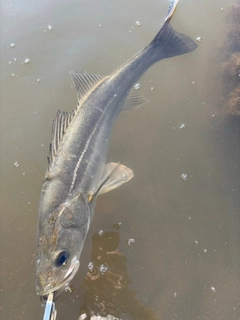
column 84, row 82
column 59, row 127
column 134, row 100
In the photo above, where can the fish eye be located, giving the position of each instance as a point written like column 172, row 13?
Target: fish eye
column 62, row 258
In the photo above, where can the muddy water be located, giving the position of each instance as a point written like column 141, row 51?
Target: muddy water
column 185, row 261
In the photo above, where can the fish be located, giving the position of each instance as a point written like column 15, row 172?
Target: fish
column 77, row 171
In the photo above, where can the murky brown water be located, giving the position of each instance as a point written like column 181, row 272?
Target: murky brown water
column 185, row 262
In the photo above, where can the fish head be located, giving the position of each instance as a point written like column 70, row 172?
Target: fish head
column 61, row 236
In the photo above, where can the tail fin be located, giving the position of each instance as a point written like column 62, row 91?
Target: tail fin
column 168, row 42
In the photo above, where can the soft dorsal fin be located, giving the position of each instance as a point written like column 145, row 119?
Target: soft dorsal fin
column 84, row 82
column 59, row 127
column 134, row 100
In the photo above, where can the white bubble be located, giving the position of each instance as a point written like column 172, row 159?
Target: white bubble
column 138, row 23
column 68, row 289
column 12, row 45
column 199, row 39
column 90, row 266
column 27, row 60
column 152, row 89
column 103, row 268
column 184, row 176
column 100, row 232
column 213, row 289
column 16, row 164
column 49, row 27
column 130, row 242
column 182, row 126
column 137, row 86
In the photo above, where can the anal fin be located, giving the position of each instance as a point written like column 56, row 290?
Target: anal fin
column 134, row 100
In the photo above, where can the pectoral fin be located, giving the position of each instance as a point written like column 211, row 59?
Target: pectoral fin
column 114, row 175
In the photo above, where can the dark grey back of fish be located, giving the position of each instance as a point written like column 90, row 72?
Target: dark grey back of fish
column 86, row 140
column 77, row 170
column 103, row 106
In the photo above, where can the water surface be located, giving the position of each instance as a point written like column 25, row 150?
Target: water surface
column 185, row 261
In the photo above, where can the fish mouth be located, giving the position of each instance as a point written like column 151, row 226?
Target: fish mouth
column 57, row 290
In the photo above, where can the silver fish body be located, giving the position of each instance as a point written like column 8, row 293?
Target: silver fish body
column 77, row 170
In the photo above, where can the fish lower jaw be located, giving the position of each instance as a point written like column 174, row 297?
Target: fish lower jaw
column 61, row 286
column 56, row 290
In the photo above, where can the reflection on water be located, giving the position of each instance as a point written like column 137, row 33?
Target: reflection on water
column 107, row 282
column 185, row 263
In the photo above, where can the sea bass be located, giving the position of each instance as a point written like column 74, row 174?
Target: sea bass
column 77, row 170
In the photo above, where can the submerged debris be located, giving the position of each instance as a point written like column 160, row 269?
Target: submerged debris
column 231, row 70
column 230, row 65
column 234, row 101
column 232, row 41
